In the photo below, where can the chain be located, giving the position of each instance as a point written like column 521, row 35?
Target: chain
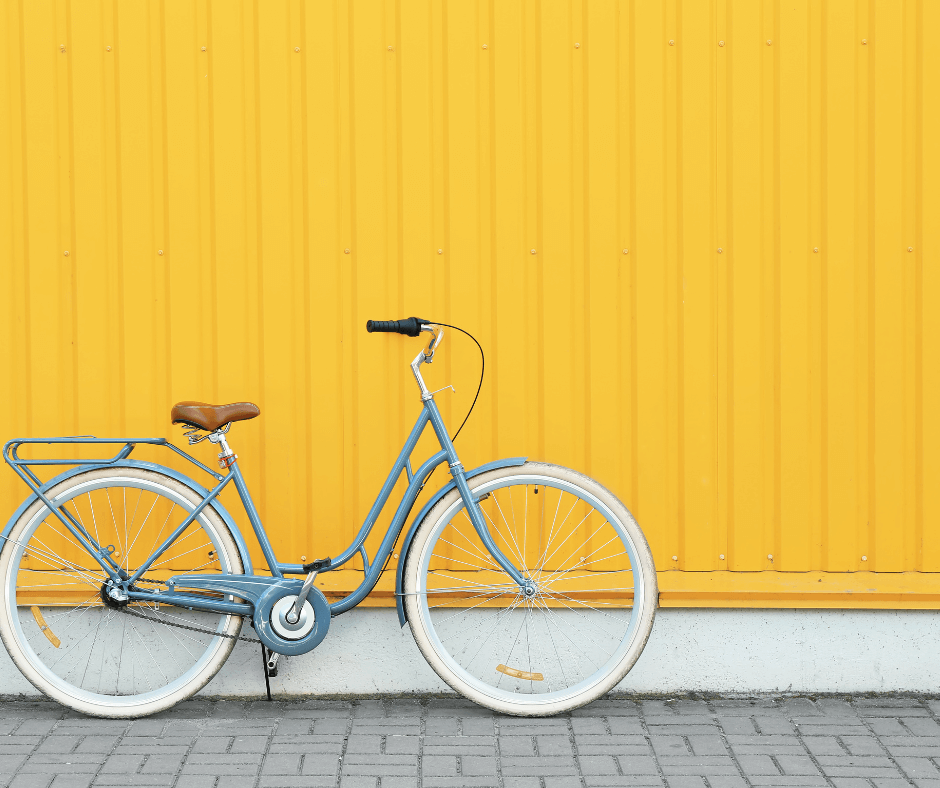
column 126, row 609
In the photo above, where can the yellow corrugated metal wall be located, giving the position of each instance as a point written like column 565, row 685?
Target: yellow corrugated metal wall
column 700, row 242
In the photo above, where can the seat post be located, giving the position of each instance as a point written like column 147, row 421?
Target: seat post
column 226, row 456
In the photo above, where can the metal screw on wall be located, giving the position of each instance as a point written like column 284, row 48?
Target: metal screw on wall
column 203, row 49
column 864, row 40
column 297, row 49
column 159, row 251
column 815, row 250
column 721, row 43
column 533, row 251
column 672, row 42
column 62, row 47
column 864, row 557
column 577, row 46
column 769, row 42
column 108, row 49
column 484, row 46
column 440, row 251
column 721, row 557
column 391, row 49
column 770, row 558
column 910, row 248
column 345, row 251
column 720, row 250
column 626, row 251
column 66, row 253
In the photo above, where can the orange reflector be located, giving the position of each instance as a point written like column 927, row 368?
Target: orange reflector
column 37, row 614
column 520, row 674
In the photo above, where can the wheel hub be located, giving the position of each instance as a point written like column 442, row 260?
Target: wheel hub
column 113, row 596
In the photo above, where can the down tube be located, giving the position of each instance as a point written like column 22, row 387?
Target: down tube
column 391, row 536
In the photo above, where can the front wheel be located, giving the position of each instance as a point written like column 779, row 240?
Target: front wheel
column 585, row 618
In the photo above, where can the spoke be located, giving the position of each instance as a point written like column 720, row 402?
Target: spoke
column 439, row 573
column 91, row 651
column 461, row 600
column 561, row 665
column 50, row 552
column 466, row 538
column 77, row 642
column 508, row 587
column 160, row 532
column 177, row 557
column 39, row 555
column 130, row 525
column 483, row 640
column 458, row 561
column 581, row 561
column 491, row 563
column 573, row 532
column 156, row 498
column 508, row 527
column 551, row 534
column 492, row 521
column 172, row 655
column 554, row 620
column 117, row 534
column 586, row 577
column 525, row 619
column 467, row 610
column 93, row 520
column 558, row 598
column 149, row 685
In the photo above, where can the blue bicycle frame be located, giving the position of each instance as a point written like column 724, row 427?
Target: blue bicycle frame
column 372, row 570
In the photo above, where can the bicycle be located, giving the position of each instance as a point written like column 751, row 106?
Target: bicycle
column 529, row 588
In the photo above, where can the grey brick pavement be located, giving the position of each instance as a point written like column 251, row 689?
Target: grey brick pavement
column 826, row 742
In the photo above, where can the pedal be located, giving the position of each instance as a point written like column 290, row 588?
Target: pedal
column 271, row 663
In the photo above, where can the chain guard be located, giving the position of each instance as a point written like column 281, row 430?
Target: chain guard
column 263, row 593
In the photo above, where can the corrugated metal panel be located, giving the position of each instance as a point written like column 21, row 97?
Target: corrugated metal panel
column 699, row 242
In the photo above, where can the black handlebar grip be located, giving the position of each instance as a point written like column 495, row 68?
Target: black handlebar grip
column 410, row 326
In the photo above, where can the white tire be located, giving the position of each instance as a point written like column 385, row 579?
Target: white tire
column 107, row 663
column 585, row 618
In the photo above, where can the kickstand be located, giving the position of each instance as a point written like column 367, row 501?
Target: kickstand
column 264, row 667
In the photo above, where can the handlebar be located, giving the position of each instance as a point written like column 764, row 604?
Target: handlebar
column 410, row 326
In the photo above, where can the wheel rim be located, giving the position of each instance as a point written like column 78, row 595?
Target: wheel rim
column 105, row 657
column 576, row 624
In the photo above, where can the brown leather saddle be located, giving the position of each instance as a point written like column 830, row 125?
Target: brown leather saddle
column 211, row 417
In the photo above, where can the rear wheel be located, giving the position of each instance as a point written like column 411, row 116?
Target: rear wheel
column 91, row 656
column 581, row 625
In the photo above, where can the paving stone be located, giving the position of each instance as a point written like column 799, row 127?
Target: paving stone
column 553, row 745
column 540, row 765
column 737, row 725
column 797, row 765
column 478, row 766
column 774, row 725
column 598, row 764
column 887, row 727
column 281, row 764
column 918, row 768
column 920, row 726
column 702, row 765
column 857, row 766
column 637, row 764
column 768, row 745
column 757, row 764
